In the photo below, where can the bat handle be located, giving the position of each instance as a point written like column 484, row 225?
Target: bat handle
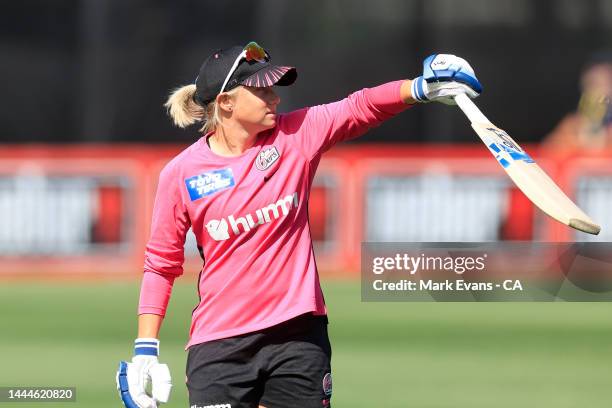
column 470, row 109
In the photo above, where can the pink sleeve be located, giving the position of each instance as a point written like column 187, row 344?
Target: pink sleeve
column 155, row 293
column 318, row 128
column 164, row 254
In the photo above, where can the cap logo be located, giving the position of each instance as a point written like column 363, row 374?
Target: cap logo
column 266, row 158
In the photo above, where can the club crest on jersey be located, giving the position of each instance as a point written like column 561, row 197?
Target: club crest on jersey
column 266, row 158
column 209, row 183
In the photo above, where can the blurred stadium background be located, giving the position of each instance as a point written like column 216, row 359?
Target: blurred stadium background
column 83, row 137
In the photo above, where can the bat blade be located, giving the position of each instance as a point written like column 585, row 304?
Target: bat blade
column 532, row 180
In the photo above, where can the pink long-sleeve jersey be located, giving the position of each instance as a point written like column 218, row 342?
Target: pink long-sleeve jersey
column 249, row 214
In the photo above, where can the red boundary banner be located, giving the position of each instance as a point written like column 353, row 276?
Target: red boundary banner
column 339, row 201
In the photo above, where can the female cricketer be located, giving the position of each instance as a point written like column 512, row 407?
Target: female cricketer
column 258, row 336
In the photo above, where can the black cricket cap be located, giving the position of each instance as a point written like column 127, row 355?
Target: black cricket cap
column 215, row 68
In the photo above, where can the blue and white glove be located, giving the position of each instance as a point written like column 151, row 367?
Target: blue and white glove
column 133, row 378
column 444, row 77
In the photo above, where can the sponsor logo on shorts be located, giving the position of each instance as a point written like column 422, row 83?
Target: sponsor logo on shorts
column 212, row 406
column 327, row 384
column 220, row 230
column 266, row 158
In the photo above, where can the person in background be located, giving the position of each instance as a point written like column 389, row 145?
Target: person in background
column 259, row 333
column 590, row 127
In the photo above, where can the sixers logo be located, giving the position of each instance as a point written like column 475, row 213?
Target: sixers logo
column 327, row 384
column 266, row 158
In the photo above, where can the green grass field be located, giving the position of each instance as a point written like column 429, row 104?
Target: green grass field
column 384, row 354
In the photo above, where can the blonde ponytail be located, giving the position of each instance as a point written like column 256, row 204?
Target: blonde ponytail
column 182, row 108
column 184, row 111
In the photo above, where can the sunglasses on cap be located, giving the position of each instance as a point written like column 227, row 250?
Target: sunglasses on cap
column 251, row 52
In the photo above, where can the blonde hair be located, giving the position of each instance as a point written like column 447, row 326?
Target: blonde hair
column 184, row 111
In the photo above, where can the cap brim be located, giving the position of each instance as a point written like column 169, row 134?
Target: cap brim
column 271, row 75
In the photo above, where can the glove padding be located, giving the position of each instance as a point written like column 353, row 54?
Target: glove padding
column 444, row 77
column 133, row 378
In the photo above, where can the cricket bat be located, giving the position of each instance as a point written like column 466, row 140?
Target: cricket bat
column 525, row 172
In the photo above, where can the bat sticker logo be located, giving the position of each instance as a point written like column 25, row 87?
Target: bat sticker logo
column 506, row 150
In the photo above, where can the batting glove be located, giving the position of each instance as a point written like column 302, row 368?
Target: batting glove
column 444, row 77
column 133, row 378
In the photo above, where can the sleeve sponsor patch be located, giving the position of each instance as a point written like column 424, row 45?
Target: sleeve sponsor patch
column 209, row 183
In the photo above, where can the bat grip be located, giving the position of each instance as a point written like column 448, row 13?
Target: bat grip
column 470, row 109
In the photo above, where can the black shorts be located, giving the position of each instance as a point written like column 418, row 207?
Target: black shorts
column 287, row 365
